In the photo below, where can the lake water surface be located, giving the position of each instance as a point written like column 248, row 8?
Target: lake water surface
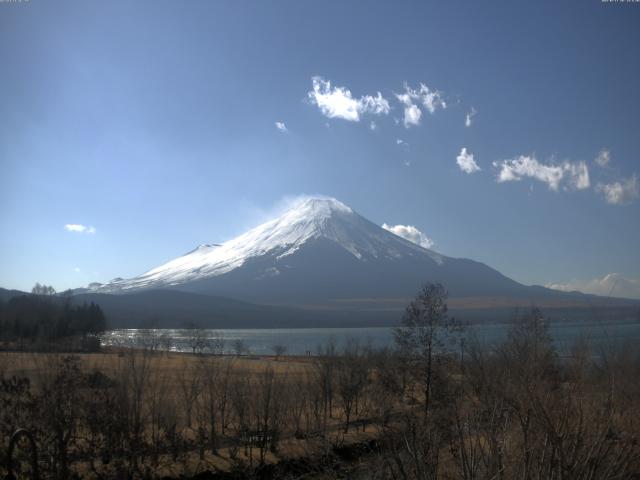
column 300, row 341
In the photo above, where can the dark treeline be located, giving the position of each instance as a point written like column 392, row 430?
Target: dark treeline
column 435, row 407
column 44, row 318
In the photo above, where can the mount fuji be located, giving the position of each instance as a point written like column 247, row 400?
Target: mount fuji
column 321, row 254
column 322, row 264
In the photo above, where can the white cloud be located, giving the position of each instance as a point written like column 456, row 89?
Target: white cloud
column 75, row 227
column 430, row 99
column 515, row 169
column 468, row 119
column 603, row 158
column 412, row 115
column 76, row 269
column 411, row 233
column 466, row 162
column 337, row 102
column 377, row 105
column 612, row 284
column 578, row 174
column 281, row 126
column 620, row 193
column 373, row 126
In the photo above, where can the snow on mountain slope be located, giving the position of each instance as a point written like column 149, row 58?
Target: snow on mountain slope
column 309, row 219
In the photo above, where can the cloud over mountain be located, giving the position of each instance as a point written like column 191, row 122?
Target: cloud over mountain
column 612, row 284
column 411, row 233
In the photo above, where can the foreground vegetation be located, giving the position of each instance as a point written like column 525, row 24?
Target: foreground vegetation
column 433, row 407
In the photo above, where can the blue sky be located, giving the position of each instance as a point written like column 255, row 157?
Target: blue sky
column 153, row 125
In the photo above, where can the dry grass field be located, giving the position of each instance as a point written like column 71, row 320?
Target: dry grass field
column 418, row 412
column 172, row 364
column 161, row 384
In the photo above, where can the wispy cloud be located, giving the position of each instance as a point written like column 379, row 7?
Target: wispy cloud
column 620, row 192
column 468, row 119
column 338, row 102
column 402, row 144
column 576, row 174
column 281, row 126
column 78, row 228
column 411, row 233
column 603, row 158
column 430, row 99
column 466, row 162
column 612, row 284
column 405, row 148
column 373, row 126
column 517, row 168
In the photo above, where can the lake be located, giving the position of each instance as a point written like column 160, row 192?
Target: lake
column 299, row 341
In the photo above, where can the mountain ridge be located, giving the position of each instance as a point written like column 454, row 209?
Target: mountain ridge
column 308, row 220
column 176, row 309
column 321, row 252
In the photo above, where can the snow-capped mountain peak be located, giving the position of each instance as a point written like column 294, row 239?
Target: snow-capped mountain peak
column 320, row 253
column 309, row 219
column 318, row 207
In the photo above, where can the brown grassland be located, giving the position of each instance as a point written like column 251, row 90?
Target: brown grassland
column 434, row 407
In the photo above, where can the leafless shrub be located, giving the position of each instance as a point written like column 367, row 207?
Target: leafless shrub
column 59, row 400
column 351, row 379
column 240, row 347
column 279, row 350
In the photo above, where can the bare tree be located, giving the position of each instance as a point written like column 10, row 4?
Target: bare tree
column 211, row 370
column 352, row 377
column 166, row 342
column 240, row 400
column 222, row 391
column 134, row 375
column 45, row 290
column 189, row 384
column 325, row 370
column 240, row 347
column 423, row 341
column 389, row 385
column 425, row 334
column 60, row 381
column 216, row 343
column 197, row 339
column 267, row 411
column 279, row 350
column 147, row 338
